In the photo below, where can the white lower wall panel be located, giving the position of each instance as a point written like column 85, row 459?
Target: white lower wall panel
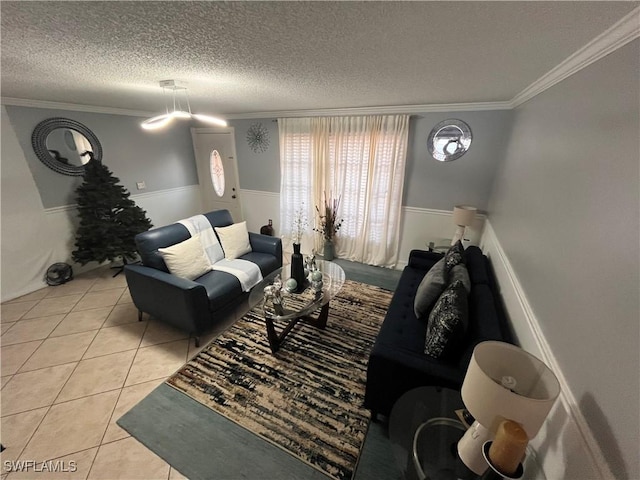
column 564, row 447
column 168, row 206
column 418, row 226
column 162, row 207
column 258, row 207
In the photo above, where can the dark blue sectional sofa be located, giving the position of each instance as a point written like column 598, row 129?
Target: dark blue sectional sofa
column 397, row 363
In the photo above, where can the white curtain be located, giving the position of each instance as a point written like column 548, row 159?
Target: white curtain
column 296, row 180
column 359, row 159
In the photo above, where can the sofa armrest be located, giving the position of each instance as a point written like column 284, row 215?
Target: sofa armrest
column 181, row 302
column 266, row 244
column 422, row 259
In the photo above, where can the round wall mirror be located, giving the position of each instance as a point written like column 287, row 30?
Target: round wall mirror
column 449, row 140
column 65, row 145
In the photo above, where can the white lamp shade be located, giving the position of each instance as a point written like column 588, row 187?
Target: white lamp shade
column 464, row 215
column 533, row 387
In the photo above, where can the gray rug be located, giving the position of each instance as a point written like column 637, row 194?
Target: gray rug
column 202, row 444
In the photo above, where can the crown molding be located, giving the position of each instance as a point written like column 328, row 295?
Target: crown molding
column 388, row 109
column 26, row 102
column 622, row 32
column 382, row 110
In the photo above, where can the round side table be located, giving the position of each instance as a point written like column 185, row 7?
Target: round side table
column 424, row 431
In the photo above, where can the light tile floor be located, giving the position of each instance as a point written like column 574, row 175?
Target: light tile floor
column 74, row 359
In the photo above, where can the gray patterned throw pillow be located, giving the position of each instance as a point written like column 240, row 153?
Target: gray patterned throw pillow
column 454, row 256
column 447, row 323
column 460, row 272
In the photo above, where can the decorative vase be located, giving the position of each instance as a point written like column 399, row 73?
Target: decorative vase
column 267, row 229
column 328, row 253
column 297, row 268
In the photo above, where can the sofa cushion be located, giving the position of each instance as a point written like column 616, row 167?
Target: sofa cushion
column 430, row 288
column 477, row 265
column 150, row 241
column 460, row 273
column 454, row 256
column 448, row 323
column 406, row 329
column 219, row 218
column 267, row 262
column 482, row 309
column 234, row 240
column 186, row 259
column 222, row 288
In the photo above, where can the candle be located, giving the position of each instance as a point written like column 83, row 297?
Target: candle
column 508, row 447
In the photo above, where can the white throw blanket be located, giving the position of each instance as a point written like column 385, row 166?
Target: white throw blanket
column 248, row 273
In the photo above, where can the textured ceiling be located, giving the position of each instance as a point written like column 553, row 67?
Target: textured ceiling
column 241, row 57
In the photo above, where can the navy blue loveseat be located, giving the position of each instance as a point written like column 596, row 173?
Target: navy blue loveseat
column 192, row 305
column 397, row 363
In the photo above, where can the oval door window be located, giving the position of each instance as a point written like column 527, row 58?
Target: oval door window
column 217, row 173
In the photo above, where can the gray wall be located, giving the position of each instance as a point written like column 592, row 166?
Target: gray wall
column 428, row 183
column 468, row 180
column 258, row 171
column 566, row 211
column 162, row 159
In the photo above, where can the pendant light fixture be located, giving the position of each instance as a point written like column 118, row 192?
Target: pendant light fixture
column 180, row 109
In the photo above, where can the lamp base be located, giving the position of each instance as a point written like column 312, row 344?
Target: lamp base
column 458, row 235
column 492, row 472
column 470, row 448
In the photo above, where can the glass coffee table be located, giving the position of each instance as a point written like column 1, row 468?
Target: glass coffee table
column 289, row 308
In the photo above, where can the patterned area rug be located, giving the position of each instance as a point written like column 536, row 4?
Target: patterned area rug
column 307, row 398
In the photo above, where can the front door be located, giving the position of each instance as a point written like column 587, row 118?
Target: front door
column 215, row 150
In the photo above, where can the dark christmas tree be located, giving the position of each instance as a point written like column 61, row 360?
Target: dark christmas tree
column 109, row 219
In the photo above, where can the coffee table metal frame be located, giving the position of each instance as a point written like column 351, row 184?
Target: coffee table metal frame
column 333, row 278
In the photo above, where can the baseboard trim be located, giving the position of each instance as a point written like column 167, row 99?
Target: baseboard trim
column 490, row 242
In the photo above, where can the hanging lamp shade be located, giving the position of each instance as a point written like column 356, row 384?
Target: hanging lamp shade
column 178, row 111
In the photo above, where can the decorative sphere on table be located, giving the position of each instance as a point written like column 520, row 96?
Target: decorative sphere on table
column 292, row 284
column 317, row 286
column 316, row 276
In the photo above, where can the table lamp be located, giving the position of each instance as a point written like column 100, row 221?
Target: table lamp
column 463, row 216
column 503, row 382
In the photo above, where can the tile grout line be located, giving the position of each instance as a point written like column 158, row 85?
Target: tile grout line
column 125, row 381
column 36, row 339
column 115, row 405
column 56, row 397
column 64, row 384
column 100, row 328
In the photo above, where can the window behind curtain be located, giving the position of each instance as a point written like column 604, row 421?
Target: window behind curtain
column 361, row 159
column 296, row 178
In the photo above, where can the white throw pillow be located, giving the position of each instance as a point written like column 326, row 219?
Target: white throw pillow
column 186, row 259
column 234, row 240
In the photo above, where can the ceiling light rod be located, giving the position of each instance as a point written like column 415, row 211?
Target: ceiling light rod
column 163, row 120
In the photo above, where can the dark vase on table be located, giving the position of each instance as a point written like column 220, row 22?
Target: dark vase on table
column 297, row 268
column 329, row 250
column 267, row 229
